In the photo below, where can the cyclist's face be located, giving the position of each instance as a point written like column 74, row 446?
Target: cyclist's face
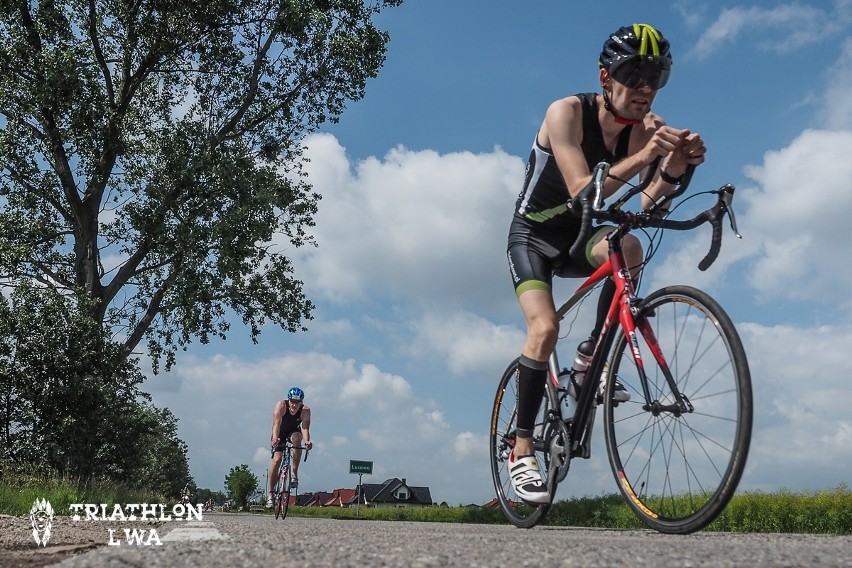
column 294, row 403
column 630, row 103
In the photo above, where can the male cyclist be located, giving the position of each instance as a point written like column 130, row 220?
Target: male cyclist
column 579, row 131
column 291, row 420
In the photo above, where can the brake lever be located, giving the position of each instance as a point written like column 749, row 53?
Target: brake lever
column 601, row 173
column 728, row 198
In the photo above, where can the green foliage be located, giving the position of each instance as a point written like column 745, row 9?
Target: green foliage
column 241, row 482
column 164, row 140
column 18, row 491
column 69, row 400
column 818, row 512
column 164, row 466
column 436, row 513
column 821, row 512
column 826, row 512
column 204, row 494
column 604, row 511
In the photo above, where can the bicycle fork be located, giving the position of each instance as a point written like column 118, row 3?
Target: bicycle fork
column 681, row 403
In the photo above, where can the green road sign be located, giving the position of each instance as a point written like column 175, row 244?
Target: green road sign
column 358, row 466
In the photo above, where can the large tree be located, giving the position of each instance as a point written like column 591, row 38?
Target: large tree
column 151, row 153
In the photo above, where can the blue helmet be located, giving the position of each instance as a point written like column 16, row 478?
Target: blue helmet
column 295, row 393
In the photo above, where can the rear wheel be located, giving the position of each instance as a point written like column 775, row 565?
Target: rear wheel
column 502, row 440
column 678, row 470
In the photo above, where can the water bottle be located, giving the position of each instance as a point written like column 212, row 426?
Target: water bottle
column 568, row 378
column 567, row 395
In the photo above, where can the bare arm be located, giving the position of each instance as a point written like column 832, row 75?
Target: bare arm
column 277, row 415
column 306, row 427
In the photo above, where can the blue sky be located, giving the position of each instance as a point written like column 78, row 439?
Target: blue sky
column 416, row 318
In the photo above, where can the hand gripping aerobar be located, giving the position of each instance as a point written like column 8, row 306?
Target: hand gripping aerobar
column 588, row 204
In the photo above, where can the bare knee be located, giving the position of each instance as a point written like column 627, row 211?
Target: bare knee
column 633, row 253
column 542, row 333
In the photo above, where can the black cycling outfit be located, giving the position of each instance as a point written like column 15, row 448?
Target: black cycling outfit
column 543, row 228
column 289, row 423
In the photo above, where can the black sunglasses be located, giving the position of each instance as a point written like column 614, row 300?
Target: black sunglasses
column 638, row 71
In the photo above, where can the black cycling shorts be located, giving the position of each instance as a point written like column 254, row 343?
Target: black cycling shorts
column 284, row 439
column 537, row 251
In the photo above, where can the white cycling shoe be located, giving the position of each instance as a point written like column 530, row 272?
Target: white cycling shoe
column 526, row 480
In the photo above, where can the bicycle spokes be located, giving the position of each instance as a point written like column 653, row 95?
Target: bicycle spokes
column 678, row 449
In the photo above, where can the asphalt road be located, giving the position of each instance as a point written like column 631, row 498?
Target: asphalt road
column 230, row 540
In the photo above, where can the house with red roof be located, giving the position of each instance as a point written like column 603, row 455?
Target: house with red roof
column 393, row 492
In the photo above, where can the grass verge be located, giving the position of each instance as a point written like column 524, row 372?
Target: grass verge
column 815, row 512
column 19, row 491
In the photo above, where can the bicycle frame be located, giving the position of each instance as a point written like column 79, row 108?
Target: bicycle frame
column 286, row 458
column 624, row 309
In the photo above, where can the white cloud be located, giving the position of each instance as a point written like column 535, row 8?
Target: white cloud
column 782, row 28
column 469, row 444
column 799, row 215
column 413, row 224
column 375, row 387
column 801, row 406
column 465, row 341
column 835, row 112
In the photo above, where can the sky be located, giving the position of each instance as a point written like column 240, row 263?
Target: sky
column 416, row 318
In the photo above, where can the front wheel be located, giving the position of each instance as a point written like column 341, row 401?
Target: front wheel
column 282, row 494
column 678, row 468
column 502, row 440
column 285, row 495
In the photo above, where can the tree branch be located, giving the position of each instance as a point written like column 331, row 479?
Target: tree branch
column 153, row 309
column 99, row 56
column 254, row 81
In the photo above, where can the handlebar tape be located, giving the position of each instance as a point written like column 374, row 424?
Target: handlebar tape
column 715, row 216
column 583, row 202
column 715, row 244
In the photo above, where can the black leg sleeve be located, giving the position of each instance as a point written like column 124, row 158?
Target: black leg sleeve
column 531, row 382
column 604, row 301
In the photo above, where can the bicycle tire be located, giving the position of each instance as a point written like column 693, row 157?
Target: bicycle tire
column 677, row 473
column 285, row 494
column 503, row 418
column 276, row 496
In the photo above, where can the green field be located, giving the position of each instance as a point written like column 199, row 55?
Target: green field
column 817, row 512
